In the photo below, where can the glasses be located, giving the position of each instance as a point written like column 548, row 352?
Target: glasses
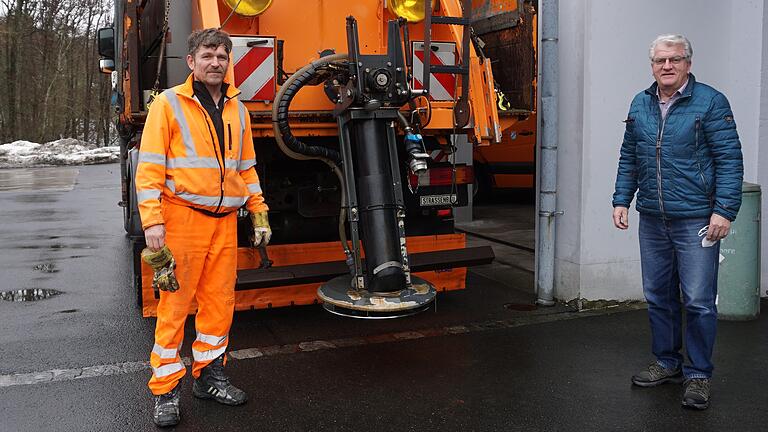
column 676, row 60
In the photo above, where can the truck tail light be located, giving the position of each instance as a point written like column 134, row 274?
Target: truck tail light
column 444, row 176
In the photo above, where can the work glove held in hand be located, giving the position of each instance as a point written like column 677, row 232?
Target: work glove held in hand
column 261, row 230
column 163, row 265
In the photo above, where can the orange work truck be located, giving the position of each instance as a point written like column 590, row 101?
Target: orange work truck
column 347, row 113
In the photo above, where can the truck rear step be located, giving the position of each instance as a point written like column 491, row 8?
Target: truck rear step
column 320, row 272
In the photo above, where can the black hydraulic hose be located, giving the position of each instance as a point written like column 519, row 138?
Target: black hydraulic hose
column 280, row 113
column 283, row 134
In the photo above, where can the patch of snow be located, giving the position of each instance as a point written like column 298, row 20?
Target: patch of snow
column 67, row 151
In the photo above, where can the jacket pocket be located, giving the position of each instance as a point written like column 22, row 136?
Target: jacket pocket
column 697, row 155
column 629, row 126
column 229, row 135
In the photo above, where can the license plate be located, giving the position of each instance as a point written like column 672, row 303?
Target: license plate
column 437, row 200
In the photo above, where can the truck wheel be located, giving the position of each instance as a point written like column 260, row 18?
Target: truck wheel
column 136, row 247
column 125, row 180
column 481, row 187
column 132, row 220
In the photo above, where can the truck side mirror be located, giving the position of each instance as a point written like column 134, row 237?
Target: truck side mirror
column 106, row 39
column 106, row 65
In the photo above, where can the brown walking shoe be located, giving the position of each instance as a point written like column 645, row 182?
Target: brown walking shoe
column 696, row 393
column 657, row 375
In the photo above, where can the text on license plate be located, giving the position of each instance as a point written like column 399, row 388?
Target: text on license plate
column 437, row 200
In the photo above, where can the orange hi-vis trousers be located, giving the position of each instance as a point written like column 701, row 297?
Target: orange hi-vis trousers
column 205, row 250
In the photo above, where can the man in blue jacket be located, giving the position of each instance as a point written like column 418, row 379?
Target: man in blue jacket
column 681, row 154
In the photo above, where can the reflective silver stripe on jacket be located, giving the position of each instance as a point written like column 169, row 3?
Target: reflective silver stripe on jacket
column 207, row 162
column 165, row 353
column 153, row 158
column 146, row 194
column 171, row 185
column 212, row 201
column 254, row 188
column 200, row 356
column 167, row 369
column 186, row 135
column 211, row 339
column 245, row 164
column 194, row 162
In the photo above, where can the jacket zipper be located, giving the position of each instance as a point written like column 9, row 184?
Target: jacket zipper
column 216, row 152
column 659, row 136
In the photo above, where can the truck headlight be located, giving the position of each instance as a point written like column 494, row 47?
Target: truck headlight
column 412, row 10
column 250, row 8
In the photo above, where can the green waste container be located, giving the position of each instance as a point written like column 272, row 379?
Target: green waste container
column 738, row 280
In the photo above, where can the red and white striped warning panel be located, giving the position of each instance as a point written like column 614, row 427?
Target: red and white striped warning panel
column 438, row 155
column 442, row 86
column 254, row 67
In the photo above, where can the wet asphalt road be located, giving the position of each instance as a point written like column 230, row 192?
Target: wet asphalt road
column 469, row 365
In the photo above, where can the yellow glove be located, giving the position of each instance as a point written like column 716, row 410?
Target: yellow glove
column 261, row 230
column 162, row 264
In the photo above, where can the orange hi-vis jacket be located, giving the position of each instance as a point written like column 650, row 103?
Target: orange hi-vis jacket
column 180, row 157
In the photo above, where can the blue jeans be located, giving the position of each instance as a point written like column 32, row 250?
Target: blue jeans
column 674, row 261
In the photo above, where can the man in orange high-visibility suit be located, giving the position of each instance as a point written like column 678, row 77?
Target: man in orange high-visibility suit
column 196, row 169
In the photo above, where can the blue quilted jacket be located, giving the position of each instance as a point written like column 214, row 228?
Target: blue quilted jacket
column 687, row 165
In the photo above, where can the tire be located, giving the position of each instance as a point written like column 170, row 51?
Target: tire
column 124, row 182
column 136, row 247
column 483, row 184
column 131, row 218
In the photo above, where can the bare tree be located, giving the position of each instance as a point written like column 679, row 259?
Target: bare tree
column 51, row 87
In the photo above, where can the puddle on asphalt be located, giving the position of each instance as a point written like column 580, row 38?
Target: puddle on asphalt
column 521, row 307
column 58, row 246
column 28, row 295
column 37, row 179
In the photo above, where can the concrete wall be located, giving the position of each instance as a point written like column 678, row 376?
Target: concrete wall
column 603, row 49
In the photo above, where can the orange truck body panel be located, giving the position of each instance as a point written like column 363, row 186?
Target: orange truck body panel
column 518, row 146
column 314, row 26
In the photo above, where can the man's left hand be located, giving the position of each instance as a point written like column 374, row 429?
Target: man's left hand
column 261, row 230
column 719, row 227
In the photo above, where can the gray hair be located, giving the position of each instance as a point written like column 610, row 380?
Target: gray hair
column 672, row 39
column 208, row 38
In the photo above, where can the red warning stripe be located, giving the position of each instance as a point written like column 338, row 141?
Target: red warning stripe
column 267, row 91
column 250, row 61
column 448, row 81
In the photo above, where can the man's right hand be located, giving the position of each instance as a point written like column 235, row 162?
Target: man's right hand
column 155, row 237
column 621, row 217
column 163, row 266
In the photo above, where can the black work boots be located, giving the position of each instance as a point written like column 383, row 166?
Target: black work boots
column 167, row 408
column 213, row 384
